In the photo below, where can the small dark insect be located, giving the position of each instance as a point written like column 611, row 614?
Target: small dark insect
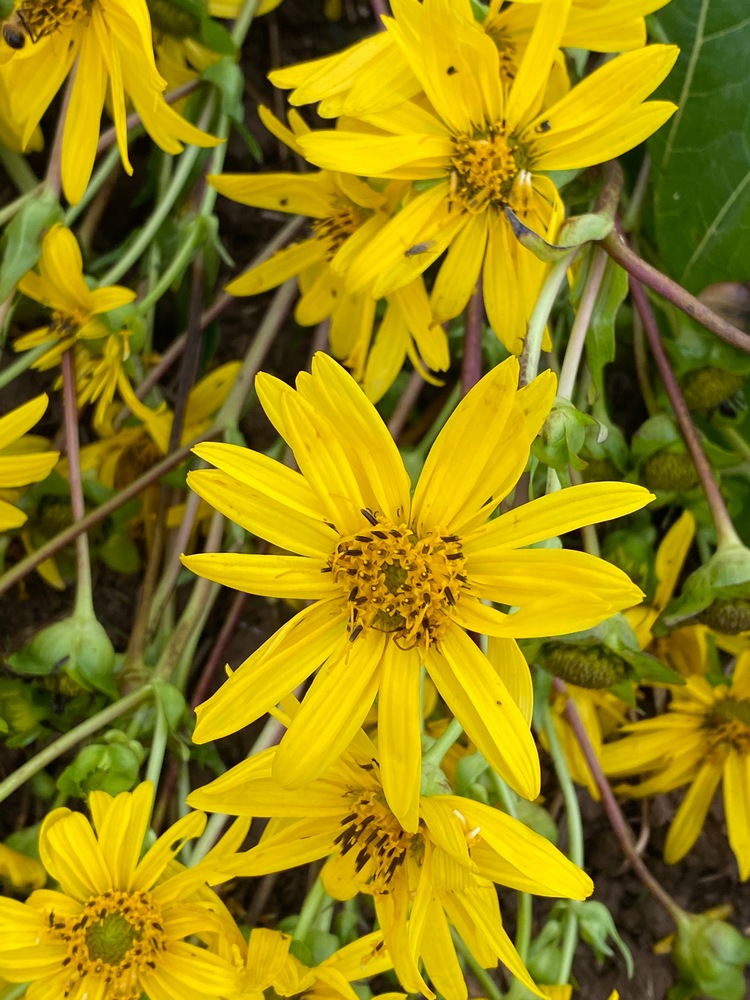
column 15, row 32
column 451, row 70
column 544, row 126
column 419, row 248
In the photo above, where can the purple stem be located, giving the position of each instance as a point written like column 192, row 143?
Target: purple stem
column 472, row 366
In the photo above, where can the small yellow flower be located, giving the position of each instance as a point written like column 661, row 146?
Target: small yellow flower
column 100, row 353
column 18, row 466
column 703, row 739
column 110, row 44
column 421, row 881
column 397, row 580
column 117, row 925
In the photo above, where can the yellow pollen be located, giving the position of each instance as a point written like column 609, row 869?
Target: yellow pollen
column 45, row 17
column 336, row 228
column 374, row 832
column 727, row 727
column 117, row 937
column 487, row 167
column 398, row 583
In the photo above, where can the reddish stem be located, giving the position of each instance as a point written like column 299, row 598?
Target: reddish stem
column 616, row 819
column 725, row 532
column 471, row 371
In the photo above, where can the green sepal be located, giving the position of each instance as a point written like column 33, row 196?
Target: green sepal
column 22, row 239
column 710, row 956
column 725, row 577
column 574, row 232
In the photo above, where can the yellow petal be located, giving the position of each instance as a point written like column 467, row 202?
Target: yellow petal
column 399, row 739
column 689, row 818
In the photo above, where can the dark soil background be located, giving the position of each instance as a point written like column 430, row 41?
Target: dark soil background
column 706, row 878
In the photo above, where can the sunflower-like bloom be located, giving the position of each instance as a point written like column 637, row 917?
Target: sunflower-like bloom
column 346, row 212
column 396, row 581
column 20, row 461
column 76, row 322
column 374, row 74
column 111, row 43
column 703, row 739
column 421, row 881
column 485, row 148
column 117, row 924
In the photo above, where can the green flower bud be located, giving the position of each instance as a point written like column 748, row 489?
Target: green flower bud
column 603, row 657
column 563, row 435
column 710, row 956
column 585, row 666
column 669, row 472
column 707, row 387
column 78, row 645
column 717, row 594
column 178, row 19
column 599, row 470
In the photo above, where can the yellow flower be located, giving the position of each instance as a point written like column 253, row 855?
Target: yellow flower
column 75, row 323
column 20, row 870
column 110, row 44
column 485, row 147
column 19, row 467
column 396, row 580
column 346, row 212
column 374, row 74
column 421, row 881
column 703, row 739
column 267, row 964
column 117, row 925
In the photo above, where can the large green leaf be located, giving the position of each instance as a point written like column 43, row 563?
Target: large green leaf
column 702, row 155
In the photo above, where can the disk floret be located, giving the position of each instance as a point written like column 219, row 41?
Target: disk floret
column 399, row 583
column 728, row 727
column 45, row 17
column 336, row 228
column 116, row 936
column 381, row 843
column 487, row 167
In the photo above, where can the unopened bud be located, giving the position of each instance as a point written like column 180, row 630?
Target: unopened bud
column 585, row 666
column 707, row 387
column 669, row 472
column 727, row 616
column 173, row 18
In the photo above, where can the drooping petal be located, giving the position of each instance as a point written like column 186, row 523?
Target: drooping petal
column 510, row 663
column 478, row 698
column 737, row 808
column 690, row 817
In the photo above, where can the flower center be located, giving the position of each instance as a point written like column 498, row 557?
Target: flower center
column 506, row 47
column 116, row 937
column 381, row 843
column 487, row 168
column 336, row 228
column 728, row 727
column 37, row 18
column 399, row 583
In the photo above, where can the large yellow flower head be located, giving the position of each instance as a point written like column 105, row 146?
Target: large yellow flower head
column 703, row 739
column 481, row 147
column 397, row 580
column 21, row 463
column 110, row 43
column 421, row 881
column 117, row 925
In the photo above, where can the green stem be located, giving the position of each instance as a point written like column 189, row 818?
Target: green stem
column 483, row 977
column 443, row 743
column 110, row 162
column 11, row 210
column 178, row 263
column 577, row 339
column 71, row 739
column 524, row 916
column 532, row 347
column 84, row 604
column 242, row 23
column 313, row 903
column 18, row 170
column 23, row 363
column 158, row 746
column 575, row 836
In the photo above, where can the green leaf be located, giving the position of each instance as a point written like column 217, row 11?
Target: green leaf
column 702, row 155
column 600, row 341
column 23, row 239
